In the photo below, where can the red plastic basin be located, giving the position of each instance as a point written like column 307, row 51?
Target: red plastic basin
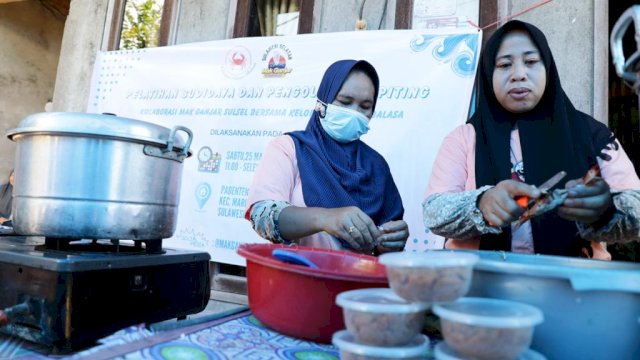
column 300, row 301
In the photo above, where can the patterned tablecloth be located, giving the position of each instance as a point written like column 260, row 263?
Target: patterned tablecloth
column 237, row 336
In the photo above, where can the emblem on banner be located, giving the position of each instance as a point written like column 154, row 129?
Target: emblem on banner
column 203, row 193
column 208, row 161
column 276, row 56
column 237, row 63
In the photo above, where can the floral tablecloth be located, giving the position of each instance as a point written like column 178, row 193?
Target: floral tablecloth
column 237, row 336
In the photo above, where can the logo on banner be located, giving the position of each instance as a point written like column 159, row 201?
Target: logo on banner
column 203, row 193
column 276, row 56
column 208, row 161
column 237, row 63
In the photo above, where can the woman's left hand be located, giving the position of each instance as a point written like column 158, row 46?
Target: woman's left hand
column 586, row 202
column 394, row 236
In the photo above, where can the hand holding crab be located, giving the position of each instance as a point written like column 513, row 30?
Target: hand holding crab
column 586, row 201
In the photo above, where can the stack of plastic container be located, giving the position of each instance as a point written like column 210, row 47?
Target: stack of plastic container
column 380, row 325
column 386, row 323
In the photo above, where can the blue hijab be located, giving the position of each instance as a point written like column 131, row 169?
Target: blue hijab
column 336, row 175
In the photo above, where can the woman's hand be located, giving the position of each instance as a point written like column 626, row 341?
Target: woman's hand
column 393, row 236
column 353, row 226
column 586, row 202
column 498, row 204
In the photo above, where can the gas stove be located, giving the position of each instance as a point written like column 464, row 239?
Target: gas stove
column 67, row 294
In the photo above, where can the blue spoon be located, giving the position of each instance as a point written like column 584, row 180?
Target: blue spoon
column 291, row 257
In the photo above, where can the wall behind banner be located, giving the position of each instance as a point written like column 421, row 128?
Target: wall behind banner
column 235, row 99
column 563, row 21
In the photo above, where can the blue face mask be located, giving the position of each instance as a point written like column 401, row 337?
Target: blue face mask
column 342, row 124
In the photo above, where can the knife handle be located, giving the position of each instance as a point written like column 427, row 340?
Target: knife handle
column 523, row 201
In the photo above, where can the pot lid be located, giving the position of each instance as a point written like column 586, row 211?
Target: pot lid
column 95, row 125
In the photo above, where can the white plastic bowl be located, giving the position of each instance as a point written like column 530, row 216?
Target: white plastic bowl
column 435, row 276
column 380, row 317
column 488, row 329
column 351, row 349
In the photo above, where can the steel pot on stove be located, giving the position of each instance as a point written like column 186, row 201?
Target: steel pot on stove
column 94, row 176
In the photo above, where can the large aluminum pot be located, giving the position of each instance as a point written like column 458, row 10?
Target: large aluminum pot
column 591, row 308
column 92, row 176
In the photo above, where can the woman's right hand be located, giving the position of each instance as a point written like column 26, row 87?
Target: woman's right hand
column 353, row 226
column 498, row 204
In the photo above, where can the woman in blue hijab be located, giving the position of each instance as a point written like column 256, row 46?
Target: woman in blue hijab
column 323, row 186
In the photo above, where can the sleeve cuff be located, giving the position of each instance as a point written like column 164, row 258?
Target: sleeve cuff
column 604, row 225
column 265, row 219
column 476, row 215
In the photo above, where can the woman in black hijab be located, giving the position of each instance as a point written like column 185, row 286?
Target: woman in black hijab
column 6, row 196
column 525, row 127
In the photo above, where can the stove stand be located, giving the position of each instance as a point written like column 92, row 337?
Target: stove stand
column 103, row 246
column 69, row 297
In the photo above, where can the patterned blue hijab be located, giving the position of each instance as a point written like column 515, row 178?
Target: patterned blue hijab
column 336, row 175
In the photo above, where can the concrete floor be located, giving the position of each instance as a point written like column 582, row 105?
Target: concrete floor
column 217, row 306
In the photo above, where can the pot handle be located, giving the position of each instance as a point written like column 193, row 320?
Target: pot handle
column 172, row 135
column 632, row 14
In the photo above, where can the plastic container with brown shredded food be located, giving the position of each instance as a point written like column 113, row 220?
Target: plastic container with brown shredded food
column 377, row 316
column 488, row 329
column 432, row 277
column 352, row 349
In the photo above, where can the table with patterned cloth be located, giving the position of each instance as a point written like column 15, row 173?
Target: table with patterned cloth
column 236, row 336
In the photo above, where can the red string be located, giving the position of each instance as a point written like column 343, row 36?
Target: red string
column 510, row 16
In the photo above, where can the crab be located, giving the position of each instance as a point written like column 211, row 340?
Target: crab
column 549, row 200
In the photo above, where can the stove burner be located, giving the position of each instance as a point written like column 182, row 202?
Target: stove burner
column 66, row 294
column 106, row 246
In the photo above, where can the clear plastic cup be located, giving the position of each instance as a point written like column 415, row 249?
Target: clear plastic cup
column 435, row 276
column 488, row 329
column 352, row 349
column 379, row 317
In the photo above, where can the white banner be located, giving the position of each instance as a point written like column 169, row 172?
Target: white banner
column 236, row 95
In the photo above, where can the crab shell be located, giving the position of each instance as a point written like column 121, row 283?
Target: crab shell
column 546, row 202
column 551, row 200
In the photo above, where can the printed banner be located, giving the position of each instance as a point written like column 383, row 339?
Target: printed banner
column 235, row 95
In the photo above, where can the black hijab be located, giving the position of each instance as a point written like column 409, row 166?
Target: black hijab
column 554, row 136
